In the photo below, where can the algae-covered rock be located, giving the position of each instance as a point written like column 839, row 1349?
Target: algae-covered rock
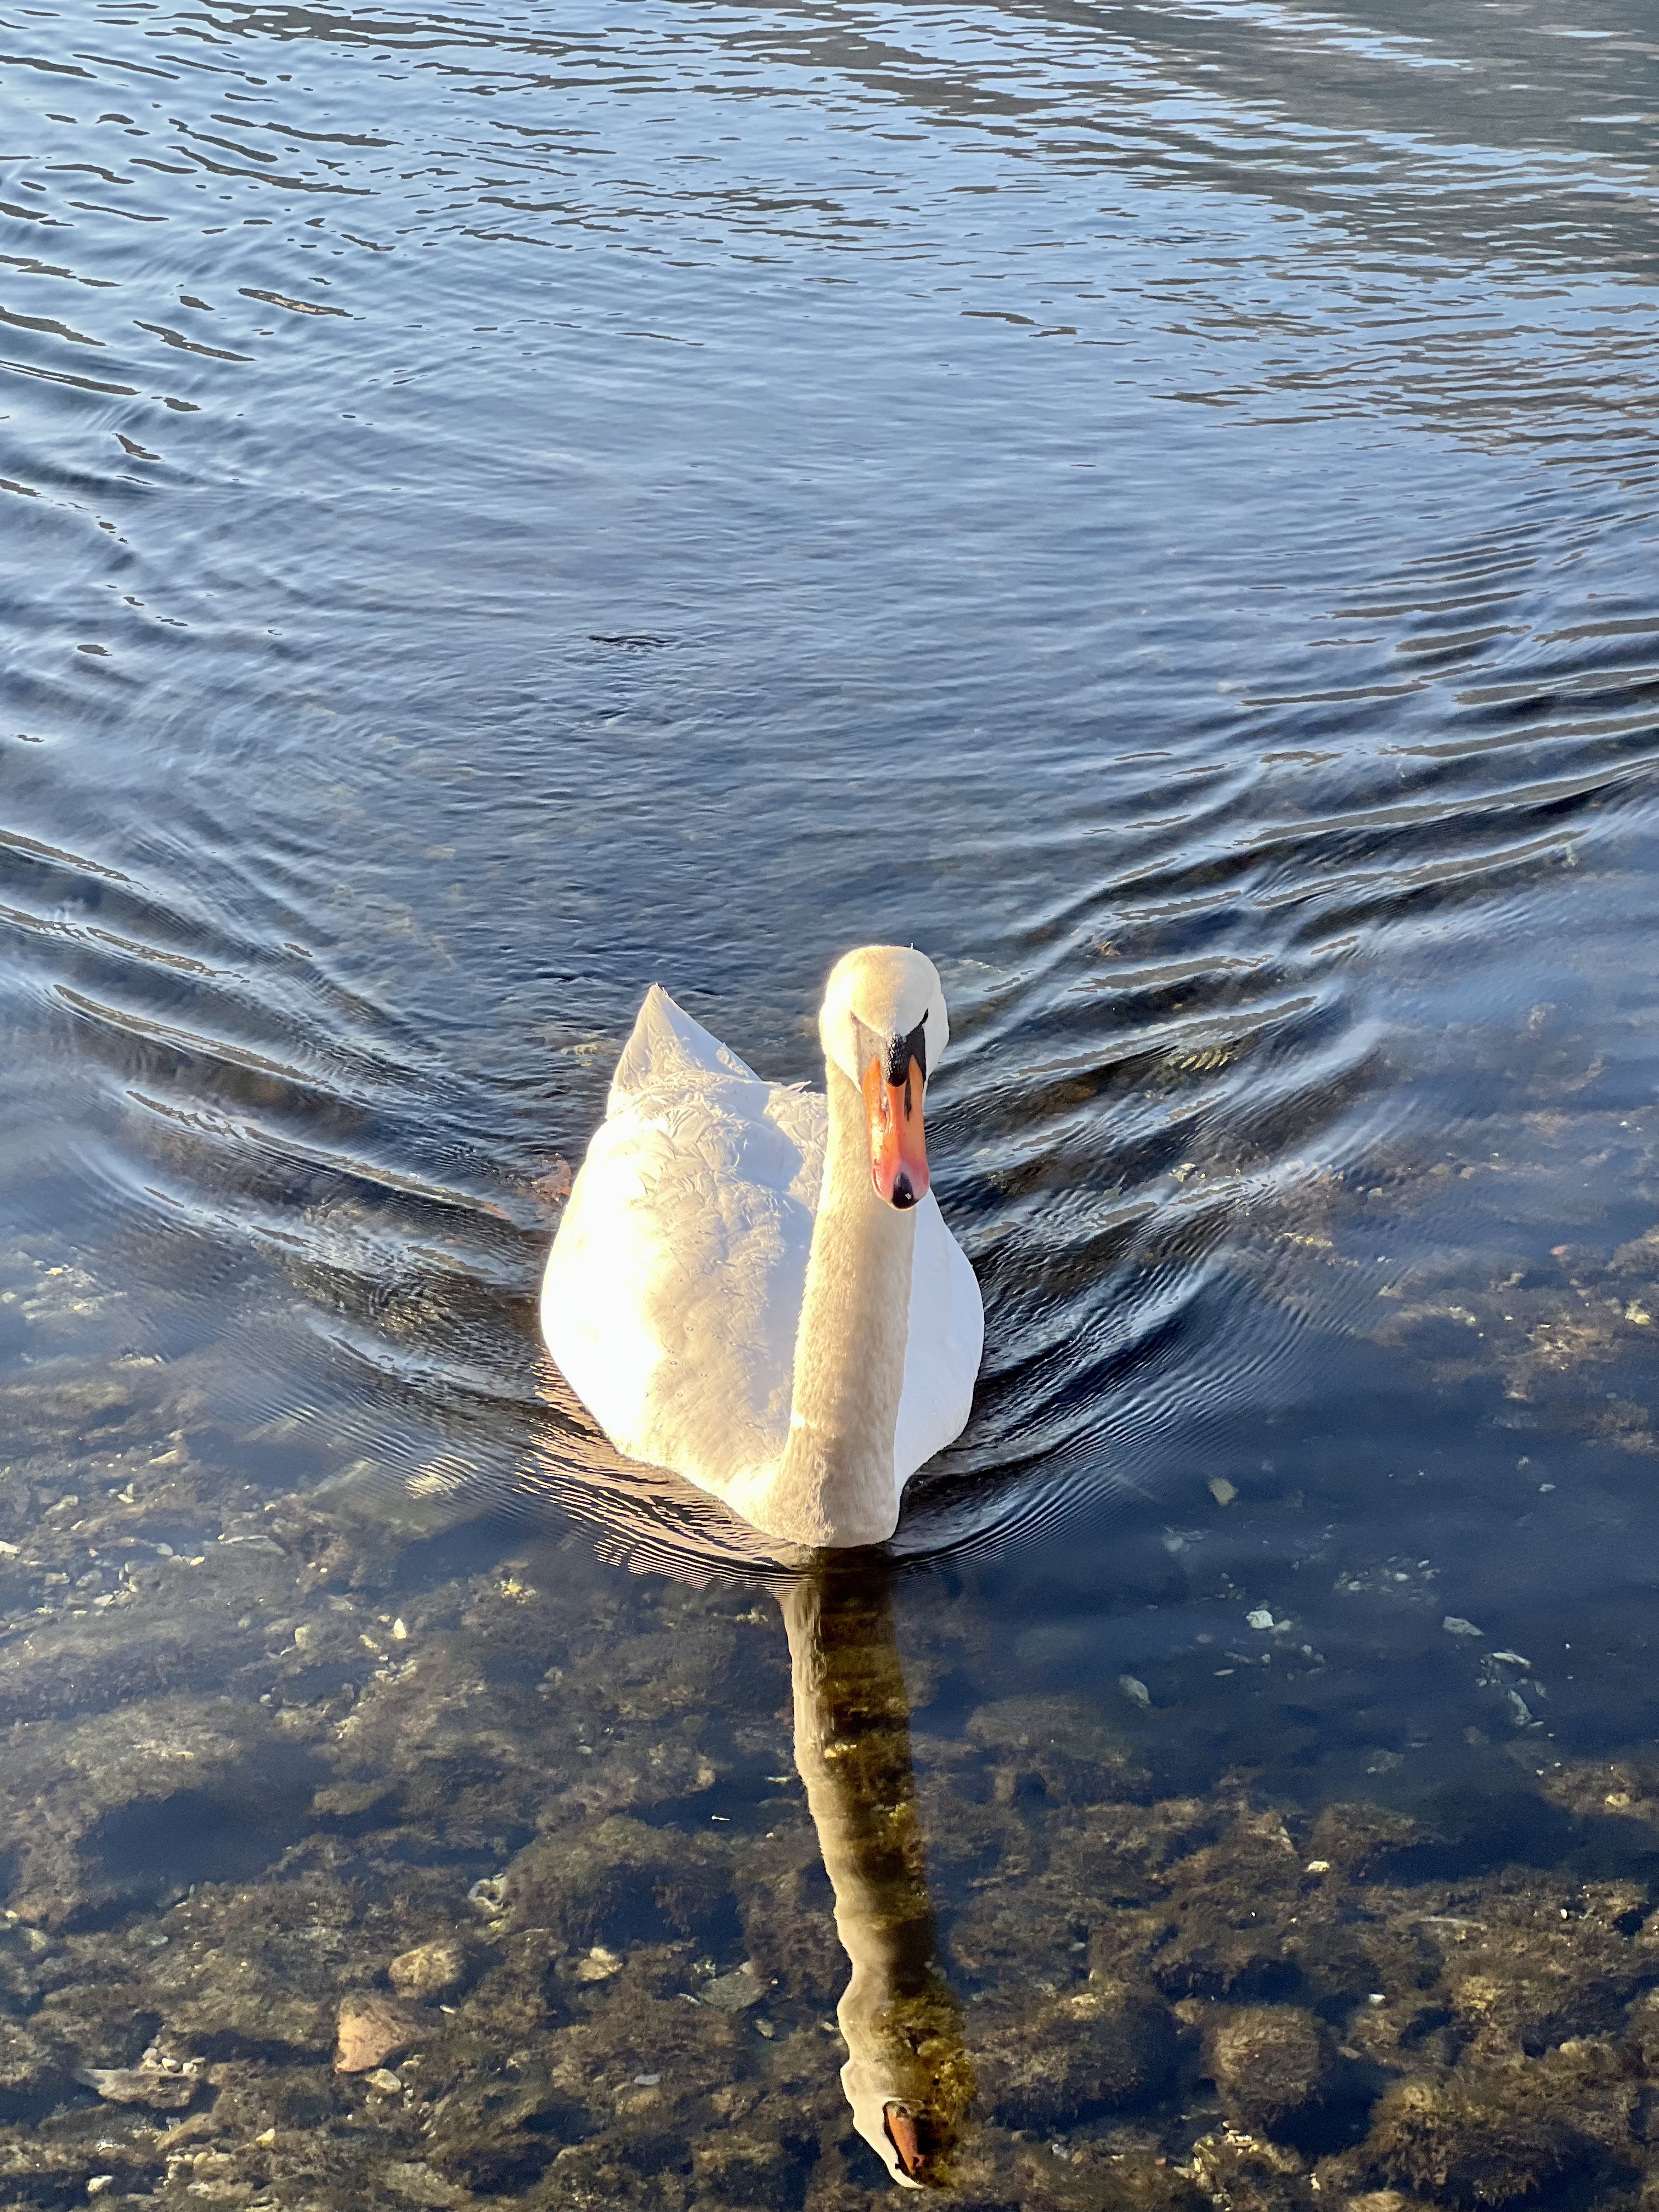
column 1485, row 2138
column 20, row 1979
column 995, row 2172
column 1232, row 1904
column 497, row 2120
column 259, row 1968
column 1107, row 2048
column 1272, row 2066
column 629, row 2034
column 736, row 2169
column 414, row 2181
column 1063, row 1745
column 1360, row 1839
column 1017, row 1928
column 430, row 1970
column 603, row 1764
column 134, row 1804
column 36, row 2067
column 38, row 2170
column 613, row 1879
column 176, row 1628
column 253, row 2096
column 785, row 1903
column 1239, row 2173
column 1538, row 1971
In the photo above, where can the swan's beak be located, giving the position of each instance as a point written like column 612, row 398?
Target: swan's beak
column 898, row 1157
column 901, row 2132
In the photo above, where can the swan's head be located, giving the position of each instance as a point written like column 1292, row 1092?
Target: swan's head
column 883, row 1026
column 908, row 2077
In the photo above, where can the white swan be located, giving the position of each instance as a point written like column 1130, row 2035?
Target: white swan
column 753, row 1284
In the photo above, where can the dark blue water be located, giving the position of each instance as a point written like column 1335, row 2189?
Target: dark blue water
column 1154, row 505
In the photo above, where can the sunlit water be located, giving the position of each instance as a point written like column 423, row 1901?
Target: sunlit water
column 1155, row 506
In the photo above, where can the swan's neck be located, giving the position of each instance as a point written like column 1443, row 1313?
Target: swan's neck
column 835, row 1483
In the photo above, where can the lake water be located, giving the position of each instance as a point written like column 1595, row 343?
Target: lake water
column 1153, row 503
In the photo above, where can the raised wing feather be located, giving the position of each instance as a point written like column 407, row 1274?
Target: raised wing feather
column 669, row 1051
column 674, row 1289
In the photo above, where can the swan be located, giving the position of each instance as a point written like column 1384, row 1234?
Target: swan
column 752, row 1283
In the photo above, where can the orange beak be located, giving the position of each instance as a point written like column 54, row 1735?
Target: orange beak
column 902, row 2134
column 898, row 1156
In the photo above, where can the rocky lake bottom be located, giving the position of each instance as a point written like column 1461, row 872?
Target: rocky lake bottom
column 348, row 1867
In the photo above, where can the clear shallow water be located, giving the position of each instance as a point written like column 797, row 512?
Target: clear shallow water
column 1154, row 505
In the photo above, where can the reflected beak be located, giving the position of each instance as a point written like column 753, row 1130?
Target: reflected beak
column 902, row 2134
column 898, row 1157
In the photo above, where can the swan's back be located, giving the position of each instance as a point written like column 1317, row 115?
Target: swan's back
column 673, row 1293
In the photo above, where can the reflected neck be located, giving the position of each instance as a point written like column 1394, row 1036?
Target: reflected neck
column 900, row 2020
column 836, row 1482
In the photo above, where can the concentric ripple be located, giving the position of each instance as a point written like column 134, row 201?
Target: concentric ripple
column 1155, row 505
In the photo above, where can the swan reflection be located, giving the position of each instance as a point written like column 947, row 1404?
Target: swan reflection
column 908, row 2077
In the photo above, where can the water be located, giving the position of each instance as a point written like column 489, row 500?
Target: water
column 1156, row 506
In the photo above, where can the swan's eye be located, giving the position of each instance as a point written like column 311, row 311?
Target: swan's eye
column 903, row 1052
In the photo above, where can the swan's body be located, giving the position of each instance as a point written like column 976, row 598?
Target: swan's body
column 732, row 1295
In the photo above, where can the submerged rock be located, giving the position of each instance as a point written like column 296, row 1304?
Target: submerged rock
column 257, row 1967
column 610, row 1878
column 1538, row 1971
column 1240, row 2173
column 1486, row 2139
column 1062, row 1744
column 1360, row 1839
column 373, row 2029
column 733, row 1992
column 1272, row 2066
column 151, row 2086
column 1232, row 1903
column 417, row 2183
column 231, row 1836
column 430, row 1970
column 1109, row 2047
column 36, row 2067
column 107, row 1810
column 735, row 2168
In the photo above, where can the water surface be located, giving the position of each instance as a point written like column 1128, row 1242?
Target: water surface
column 1154, row 505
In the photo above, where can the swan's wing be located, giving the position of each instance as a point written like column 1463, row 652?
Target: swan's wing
column 942, row 1353
column 673, row 1291
column 668, row 1051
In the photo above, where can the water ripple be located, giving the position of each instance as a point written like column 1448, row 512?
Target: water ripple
column 1151, row 503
